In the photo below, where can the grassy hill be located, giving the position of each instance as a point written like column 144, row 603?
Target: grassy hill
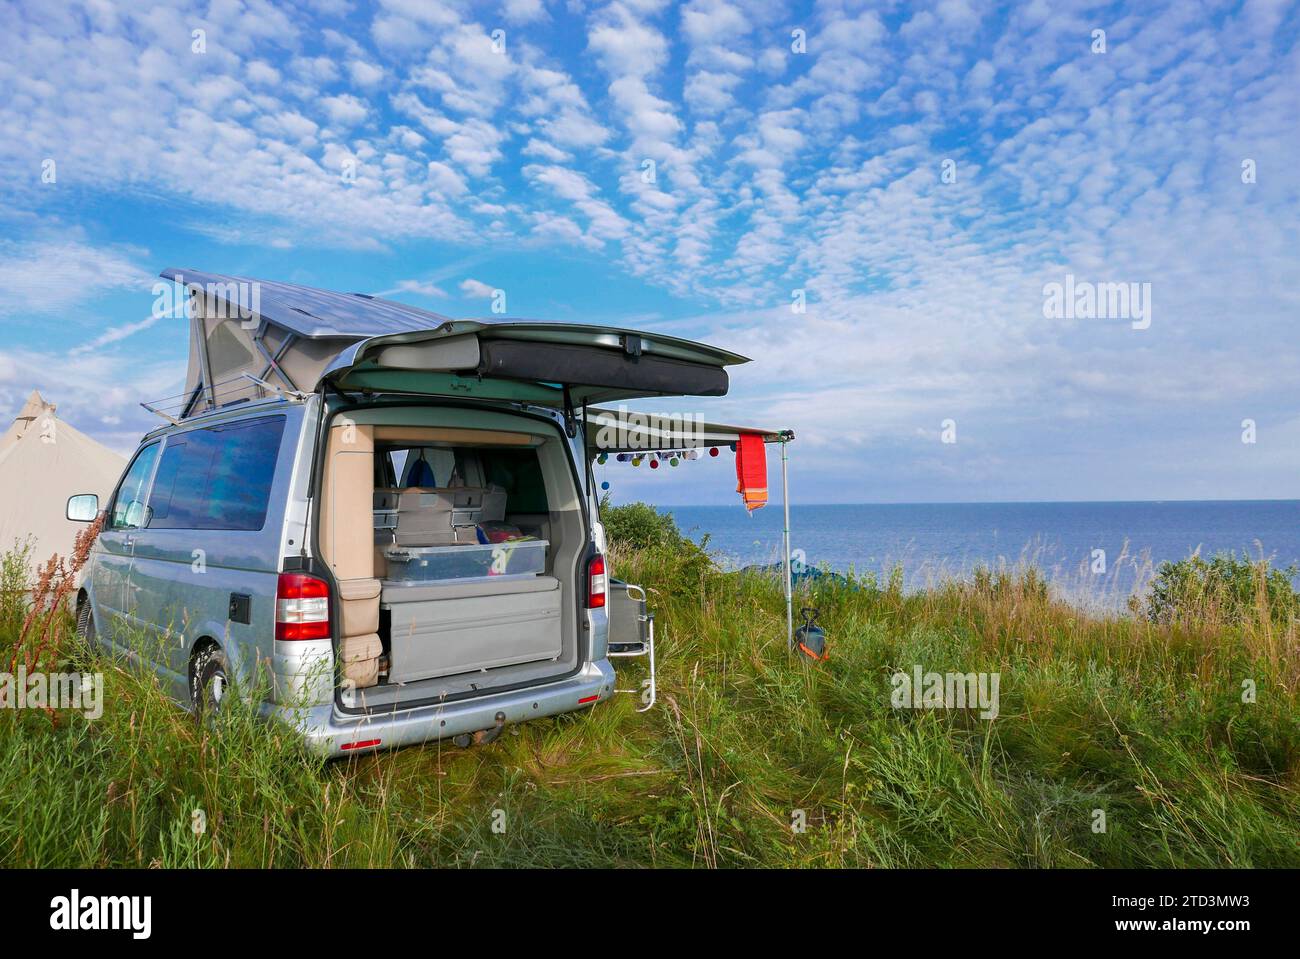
column 1140, row 716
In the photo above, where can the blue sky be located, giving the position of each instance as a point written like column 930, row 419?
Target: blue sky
column 921, row 171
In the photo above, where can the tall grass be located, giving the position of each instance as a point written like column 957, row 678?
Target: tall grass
column 1142, row 720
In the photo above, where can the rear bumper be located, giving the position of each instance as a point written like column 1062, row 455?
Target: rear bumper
column 329, row 730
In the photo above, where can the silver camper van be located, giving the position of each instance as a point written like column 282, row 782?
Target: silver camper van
column 378, row 520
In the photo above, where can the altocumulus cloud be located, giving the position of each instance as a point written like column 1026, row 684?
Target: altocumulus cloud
column 914, row 174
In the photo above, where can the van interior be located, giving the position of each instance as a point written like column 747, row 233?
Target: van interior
column 455, row 538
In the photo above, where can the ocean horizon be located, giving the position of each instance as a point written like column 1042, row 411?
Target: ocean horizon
column 1097, row 549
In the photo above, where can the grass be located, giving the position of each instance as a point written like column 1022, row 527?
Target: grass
column 1143, row 720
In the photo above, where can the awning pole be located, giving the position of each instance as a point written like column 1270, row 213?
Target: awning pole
column 785, row 538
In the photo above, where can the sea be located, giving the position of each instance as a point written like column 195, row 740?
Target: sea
column 1103, row 552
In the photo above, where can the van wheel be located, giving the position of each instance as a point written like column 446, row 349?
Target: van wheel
column 209, row 682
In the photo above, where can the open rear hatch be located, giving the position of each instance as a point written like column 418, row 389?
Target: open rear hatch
column 552, row 364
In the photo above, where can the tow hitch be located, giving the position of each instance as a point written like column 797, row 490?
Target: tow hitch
column 483, row 736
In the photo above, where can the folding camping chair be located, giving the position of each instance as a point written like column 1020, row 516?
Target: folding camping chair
column 632, row 632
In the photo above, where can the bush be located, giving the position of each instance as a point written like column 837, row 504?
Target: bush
column 638, row 526
column 679, row 565
column 1223, row 589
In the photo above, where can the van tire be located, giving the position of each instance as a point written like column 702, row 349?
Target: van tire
column 209, row 681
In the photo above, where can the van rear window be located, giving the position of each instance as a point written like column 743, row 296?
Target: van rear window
column 217, row 478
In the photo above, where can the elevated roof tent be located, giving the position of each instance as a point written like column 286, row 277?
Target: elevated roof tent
column 251, row 338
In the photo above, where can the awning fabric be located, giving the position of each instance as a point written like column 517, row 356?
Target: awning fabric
column 628, row 431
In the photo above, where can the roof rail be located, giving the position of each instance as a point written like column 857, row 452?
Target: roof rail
column 176, row 409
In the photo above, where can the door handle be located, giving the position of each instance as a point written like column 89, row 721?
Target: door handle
column 128, row 541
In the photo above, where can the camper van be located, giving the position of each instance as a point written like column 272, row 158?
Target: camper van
column 379, row 518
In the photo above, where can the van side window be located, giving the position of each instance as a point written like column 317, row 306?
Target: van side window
column 217, row 478
column 128, row 504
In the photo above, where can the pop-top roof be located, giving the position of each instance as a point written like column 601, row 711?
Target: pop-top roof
column 309, row 312
column 249, row 336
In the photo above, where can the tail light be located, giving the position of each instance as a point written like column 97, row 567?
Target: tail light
column 596, row 581
column 302, row 607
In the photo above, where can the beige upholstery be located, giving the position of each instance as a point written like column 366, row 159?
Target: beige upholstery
column 442, row 517
column 438, row 517
column 358, row 606
column 347, row 522
column 424, row 518
column 360, row 656
column 347, row 541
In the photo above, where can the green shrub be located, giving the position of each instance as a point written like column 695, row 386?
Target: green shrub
column 1223, row 589
column 638, row 526
column 678, row 565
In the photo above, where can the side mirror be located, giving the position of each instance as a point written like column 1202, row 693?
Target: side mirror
column 83, row 508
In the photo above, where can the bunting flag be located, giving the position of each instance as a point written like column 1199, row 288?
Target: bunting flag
column 751, row 471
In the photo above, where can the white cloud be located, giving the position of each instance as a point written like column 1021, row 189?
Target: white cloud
column 52, row 276
column 773, row 172
column 345, row 109
column 476, row 288
column 115, row 334
column 365, row 75
column 523, row 11
column 419, row 287
column 625, row 45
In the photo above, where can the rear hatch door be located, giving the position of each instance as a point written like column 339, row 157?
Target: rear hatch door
column 563, row 365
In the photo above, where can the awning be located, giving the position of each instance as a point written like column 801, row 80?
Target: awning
column 630, row 431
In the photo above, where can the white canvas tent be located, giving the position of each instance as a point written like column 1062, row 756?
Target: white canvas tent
column 43, row 461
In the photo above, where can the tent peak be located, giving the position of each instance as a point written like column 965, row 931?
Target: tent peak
column 35, row 406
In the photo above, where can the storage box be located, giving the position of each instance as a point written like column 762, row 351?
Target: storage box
column 467, row 633
column 422, row 564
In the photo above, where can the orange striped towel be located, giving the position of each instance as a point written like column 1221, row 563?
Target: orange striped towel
column 751, row 471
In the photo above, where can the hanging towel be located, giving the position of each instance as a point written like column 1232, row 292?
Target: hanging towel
column 751, row 471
